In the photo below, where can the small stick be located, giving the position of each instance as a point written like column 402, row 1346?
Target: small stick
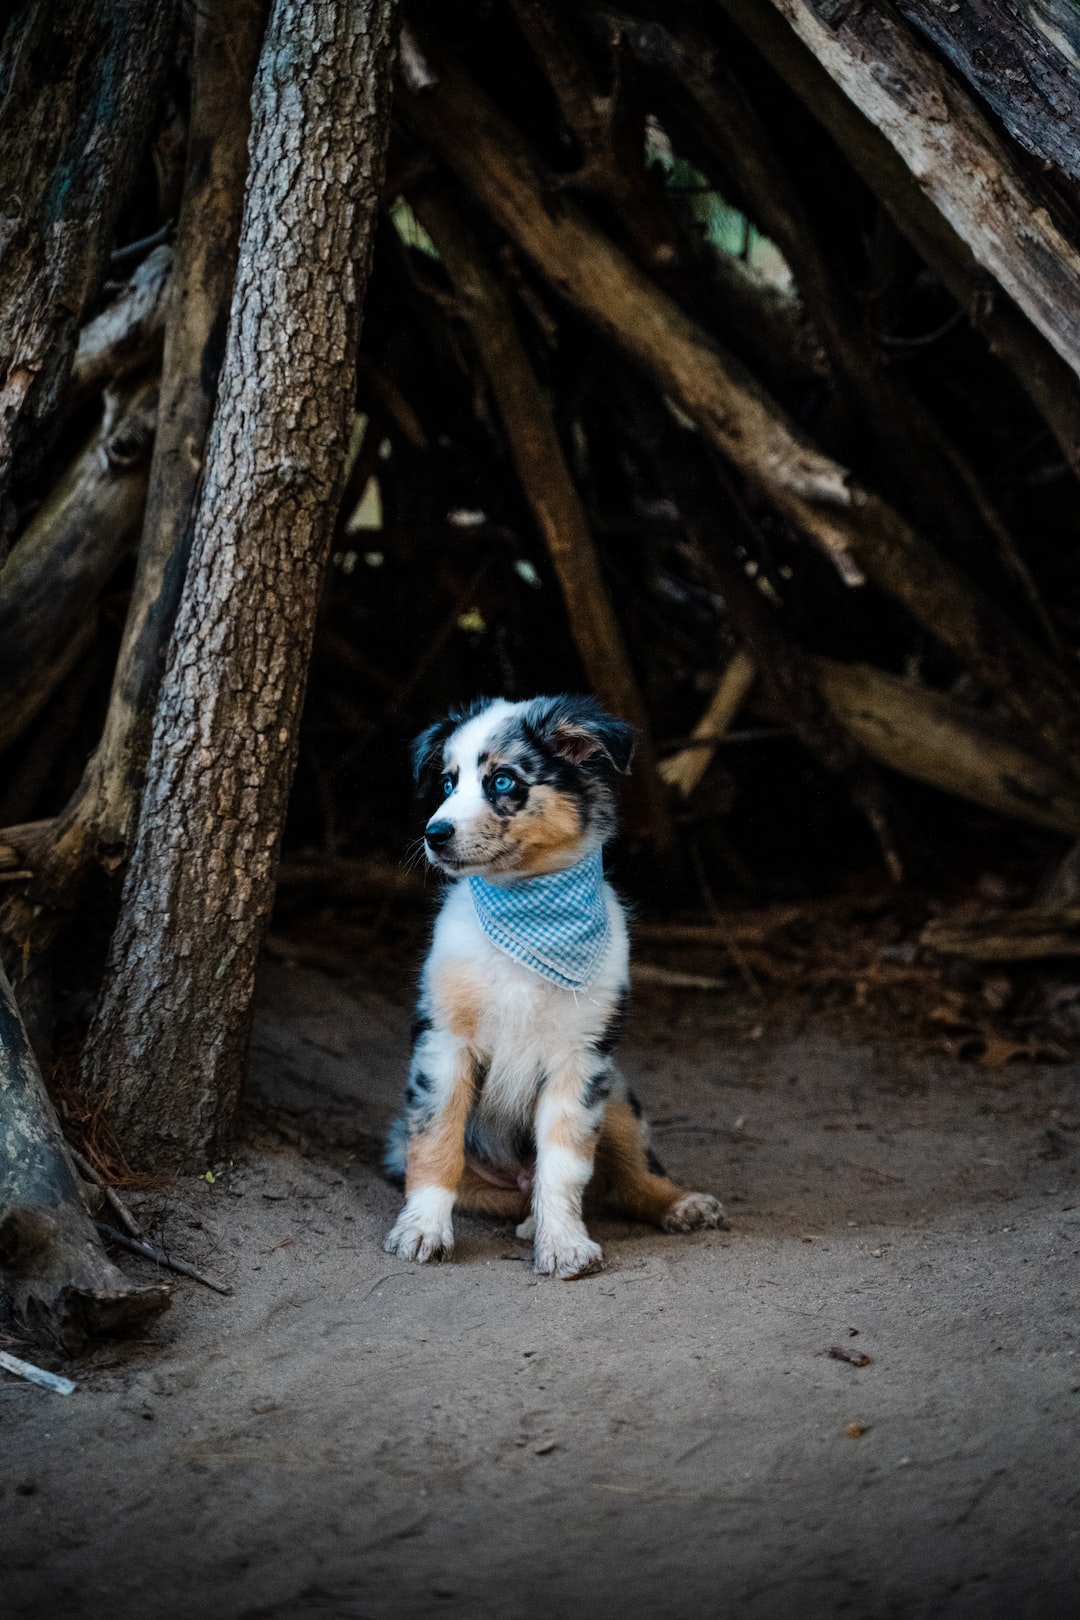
column 112, row 1198
column 36, row 1375
column 150, row 1251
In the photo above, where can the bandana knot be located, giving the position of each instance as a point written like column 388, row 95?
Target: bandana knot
column 556, row 925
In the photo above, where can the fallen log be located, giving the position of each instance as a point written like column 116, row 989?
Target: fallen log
column 1005, row 936
column 53, row 1269
column 950, row 745
column 818, row 494
column 549, row 489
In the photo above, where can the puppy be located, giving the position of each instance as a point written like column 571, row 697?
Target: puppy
column 513, row 1102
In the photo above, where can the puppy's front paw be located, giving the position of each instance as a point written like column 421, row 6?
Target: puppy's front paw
column 693, row 1212
column 567, row 1254
column 424, row 1231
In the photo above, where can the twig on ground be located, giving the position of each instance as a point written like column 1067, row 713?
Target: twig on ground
column 112, row 1198
column 150, row 1251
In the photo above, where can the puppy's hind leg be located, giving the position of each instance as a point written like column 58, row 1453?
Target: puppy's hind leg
column 626, row 1181
column 441, row 1088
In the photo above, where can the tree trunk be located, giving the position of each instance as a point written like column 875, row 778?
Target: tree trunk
column 80, row 88
column 53, row 1268
column 169, row 1042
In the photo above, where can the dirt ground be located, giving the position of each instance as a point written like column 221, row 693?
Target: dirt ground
column 351, row 1436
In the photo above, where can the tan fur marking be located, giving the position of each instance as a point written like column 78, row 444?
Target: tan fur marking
column 546, row 829
column 563, row 1133
column 436, row 1154
column 479, row 1196
column 623, row 1179
column 458, row 1000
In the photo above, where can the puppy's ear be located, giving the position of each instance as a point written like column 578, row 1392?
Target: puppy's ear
column 578, row 730
column 427, row 752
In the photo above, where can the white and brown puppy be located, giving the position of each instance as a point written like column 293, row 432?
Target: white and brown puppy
column 513, row 1101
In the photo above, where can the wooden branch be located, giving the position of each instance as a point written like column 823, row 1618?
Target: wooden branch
column 947, row 497
column 128, row 334
column 1006, row 936
column 62, row 115
column 931, row 737
column 51, row 581
column 815, row 492
column 549, row 489
column 609, row 129
column 53, row 1268
column 1021, row 59
column 1048, row 379
column 685, row 769
column 98, row 822
column 957, row 159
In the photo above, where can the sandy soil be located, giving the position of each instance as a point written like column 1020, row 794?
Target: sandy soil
column 351, row 1436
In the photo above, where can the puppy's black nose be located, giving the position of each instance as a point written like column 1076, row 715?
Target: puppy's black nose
column 439, row 833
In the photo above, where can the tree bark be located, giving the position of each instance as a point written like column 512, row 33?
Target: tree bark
column 1021, row 58
column 53, row 1268
column 50, row 584
column 1048, row 379
column 79, row 93
column 169, row 1042
column 816, row 493
column 99, row 822
column 549, row 489
column 126, row 336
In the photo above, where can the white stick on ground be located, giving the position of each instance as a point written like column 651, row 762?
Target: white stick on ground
column 36, row 1375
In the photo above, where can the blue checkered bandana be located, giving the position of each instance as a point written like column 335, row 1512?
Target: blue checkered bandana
column 556, row 925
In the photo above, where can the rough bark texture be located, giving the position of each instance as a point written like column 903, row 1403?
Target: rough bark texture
column 550, row 492
column 78, row 91
column 170, row 1039
column 53, row 1268
column 99, row 822
column 815, row 492
column 1050, row 382
column 956, row 157
column 51, row 581
column 1021, row 56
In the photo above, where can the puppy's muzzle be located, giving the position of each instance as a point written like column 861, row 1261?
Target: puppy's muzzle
column 438, row 834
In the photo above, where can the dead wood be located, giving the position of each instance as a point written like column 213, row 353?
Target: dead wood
column 51, row 581
column 934, row 739
column 80, row 88
column 815, row 492
column 98, row 822
column 549, row 489
column 685, row 769
column 1021, row 59
column 1048, row 379
column 53, row 1268
column 168, row 1045
column 1006, row 936
column 128, row 334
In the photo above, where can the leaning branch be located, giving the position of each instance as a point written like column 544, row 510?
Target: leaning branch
column 549, row 489
column 811, row 489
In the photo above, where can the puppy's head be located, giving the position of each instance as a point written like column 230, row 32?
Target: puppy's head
column 520, row 788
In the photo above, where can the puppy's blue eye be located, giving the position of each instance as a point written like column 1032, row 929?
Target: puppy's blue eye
column 503, row 783
column 447, row 786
